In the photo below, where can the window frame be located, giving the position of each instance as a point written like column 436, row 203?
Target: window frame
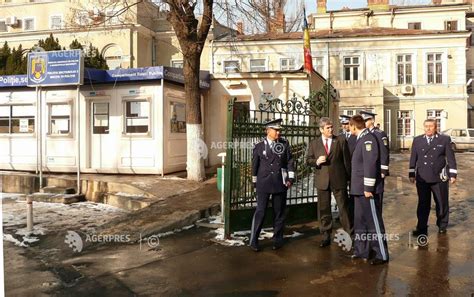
column 258, row 59
column 5, row 22
column 404, row 63
column 442, row 62
column 439, row 118
column 288, row 64
column 70, row 118
column 351, row 66
column 451, row 21
column 405, row 120
column 11, row 118
column 125, row 100
column 177, row 61
column 414, row 25
column 239, row 64
column 51, row 21
column 23, row 23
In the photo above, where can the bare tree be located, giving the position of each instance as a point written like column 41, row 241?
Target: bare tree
column 192, row 35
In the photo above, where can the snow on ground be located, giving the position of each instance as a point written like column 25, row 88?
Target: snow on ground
column 240, row 238
column 49, row 217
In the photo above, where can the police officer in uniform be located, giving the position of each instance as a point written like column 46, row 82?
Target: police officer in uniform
column 351, row 139
column 366, row 187
column 272, row 175
column 432, row 165
column 382, row 141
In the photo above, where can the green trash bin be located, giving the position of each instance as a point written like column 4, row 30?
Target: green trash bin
column 219, row 179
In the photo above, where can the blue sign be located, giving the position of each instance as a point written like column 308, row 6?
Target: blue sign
column 55, row 68
column 144, row 73
column 13, row 81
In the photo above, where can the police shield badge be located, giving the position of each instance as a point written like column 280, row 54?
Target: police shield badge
column 385, row 141
column 368, row 146
column 37, row 71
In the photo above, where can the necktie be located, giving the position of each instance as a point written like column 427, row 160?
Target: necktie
column 326, row 146
column 429, row 140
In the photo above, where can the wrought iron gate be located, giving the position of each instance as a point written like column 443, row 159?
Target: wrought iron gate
column 245, row 128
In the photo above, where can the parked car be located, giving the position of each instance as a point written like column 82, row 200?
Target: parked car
column 462, row 139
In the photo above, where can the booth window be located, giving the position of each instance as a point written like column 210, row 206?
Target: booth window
column 137, row 116
column 178, row 117
column 59, row 119
column 100, row 119
column 17, row 119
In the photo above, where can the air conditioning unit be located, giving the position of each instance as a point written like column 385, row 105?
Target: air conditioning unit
column 407, row 89
column 11, row 21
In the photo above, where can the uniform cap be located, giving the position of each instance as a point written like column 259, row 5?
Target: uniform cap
column 274, row 124
column 366, row 115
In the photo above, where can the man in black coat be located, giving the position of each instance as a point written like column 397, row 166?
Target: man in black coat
column 432, row 165
column 366, row 187
column 330, row 157
column 351, row 139
column 272, row 175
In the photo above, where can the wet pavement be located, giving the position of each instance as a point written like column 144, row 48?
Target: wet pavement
column 194, row 263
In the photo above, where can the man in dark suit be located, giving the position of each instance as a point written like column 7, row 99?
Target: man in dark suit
column 351, row 139
column 366, row 188
column 432, row 165
column 272, row 175
column 330, row 157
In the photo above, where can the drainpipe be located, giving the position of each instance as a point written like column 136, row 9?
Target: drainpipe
column 212, row 56
column 392, row 17
column 153, row 51
column 131, row 52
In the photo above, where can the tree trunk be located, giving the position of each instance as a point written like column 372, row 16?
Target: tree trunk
column 196, row 148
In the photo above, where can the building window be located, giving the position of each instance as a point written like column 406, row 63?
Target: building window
column 318, row 64
column 59, row 119
column 177, row 63
column 82, row 18
column 435, row 68
column 451, row 25
column 137, row 115
column 100, row 118
column 3, row 26
column 404, row 69
column 351, row 68
column 231, row 66
column 354, row 111
column 257, row 65
column 17, row 119
column 55, row 22
column 287, row 64
column 404, row 123
column 415, row 26
column 28, row 24
column 436, row 114
column 178, row 117
column 113, row 17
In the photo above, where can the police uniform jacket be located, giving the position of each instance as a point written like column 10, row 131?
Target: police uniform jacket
column 432, row 163
column 366, row 168
column 271, row 166
column 382, row 140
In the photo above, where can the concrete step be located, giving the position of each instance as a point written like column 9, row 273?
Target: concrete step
column 57, row 198
column 126, row 201
column 57, row 190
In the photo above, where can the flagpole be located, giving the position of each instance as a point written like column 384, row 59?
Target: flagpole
column 328, row 93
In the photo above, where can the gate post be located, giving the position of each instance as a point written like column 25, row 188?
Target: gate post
column 228, row 167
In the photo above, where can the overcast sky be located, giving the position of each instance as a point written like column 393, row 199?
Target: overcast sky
column 339, row 4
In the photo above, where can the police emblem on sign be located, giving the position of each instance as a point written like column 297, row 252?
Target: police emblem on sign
column 38, row 68
column 368, row 146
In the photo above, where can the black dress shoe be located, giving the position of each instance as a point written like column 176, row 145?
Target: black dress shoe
column 254, row 248
column 356, row 258
column 325, row 242
column 417, row 232
column 378, row 261
column 442, row 231
column 277, row 245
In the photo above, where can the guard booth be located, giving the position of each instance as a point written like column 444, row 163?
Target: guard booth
column 245, row 128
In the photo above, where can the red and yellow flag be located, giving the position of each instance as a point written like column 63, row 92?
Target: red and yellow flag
column 308, row 60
